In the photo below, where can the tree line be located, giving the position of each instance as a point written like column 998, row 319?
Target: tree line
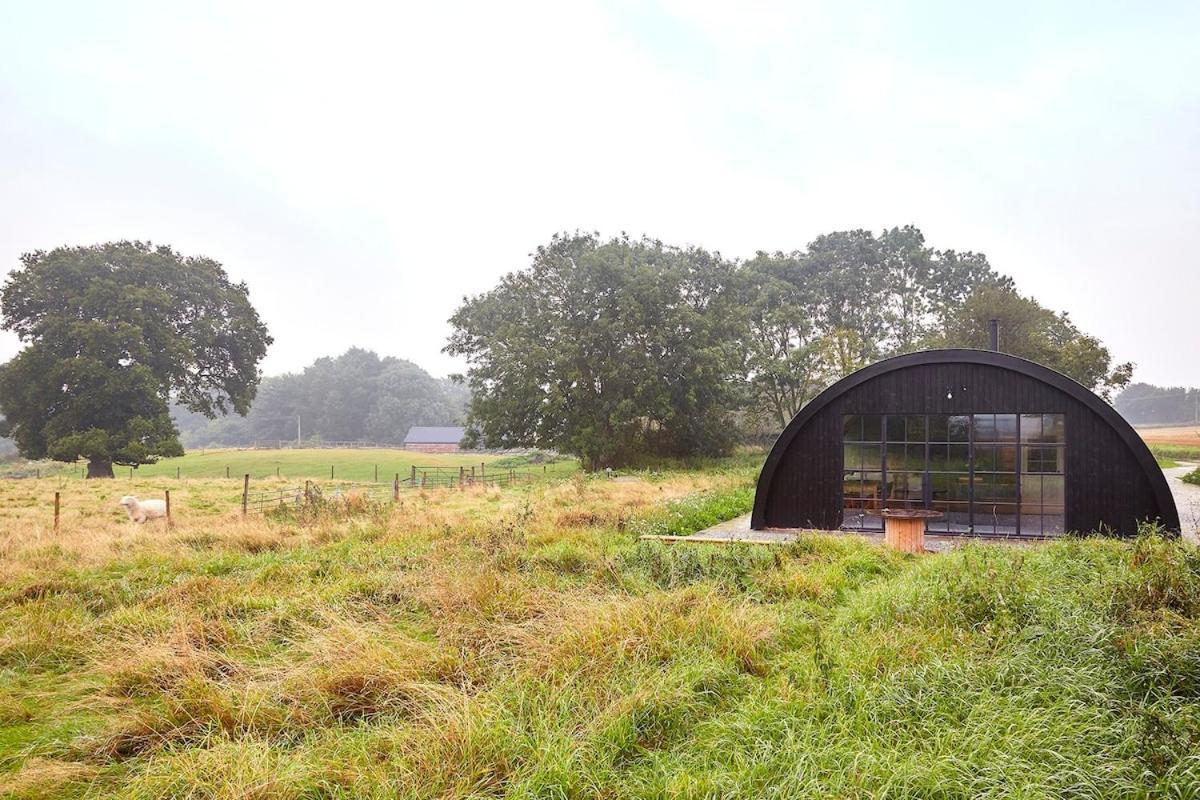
column 1146, row 404
column 615, row 350
column 621, row 349
column 356, row 396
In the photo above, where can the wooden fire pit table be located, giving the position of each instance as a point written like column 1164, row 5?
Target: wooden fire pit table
column 904, row 528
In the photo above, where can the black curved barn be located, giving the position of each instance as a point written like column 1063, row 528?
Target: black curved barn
column 1001, row 445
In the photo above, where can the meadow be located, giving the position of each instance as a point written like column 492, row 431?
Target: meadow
column 301, row 464
column 1173, row 443
column 524, row 642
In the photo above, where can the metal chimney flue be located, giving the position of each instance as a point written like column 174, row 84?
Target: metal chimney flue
column 994, row 335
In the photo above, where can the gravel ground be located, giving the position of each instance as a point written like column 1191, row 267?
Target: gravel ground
column 1187, row 500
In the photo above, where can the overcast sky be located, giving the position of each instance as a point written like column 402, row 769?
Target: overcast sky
column 363, row 166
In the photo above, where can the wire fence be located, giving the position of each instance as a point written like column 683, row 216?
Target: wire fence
column 260, row 501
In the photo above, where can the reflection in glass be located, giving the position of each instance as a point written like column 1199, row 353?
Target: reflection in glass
column 995, row 484
column 1031, row 427
column 985, row 427
column 1053, row 428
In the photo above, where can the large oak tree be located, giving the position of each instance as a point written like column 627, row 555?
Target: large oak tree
column 611, row 350
column 113, row 333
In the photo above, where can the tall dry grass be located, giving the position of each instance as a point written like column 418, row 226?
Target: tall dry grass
column 524, row 643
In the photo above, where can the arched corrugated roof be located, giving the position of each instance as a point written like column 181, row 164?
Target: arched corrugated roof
column 1145, row 459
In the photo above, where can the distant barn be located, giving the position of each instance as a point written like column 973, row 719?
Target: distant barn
column 434, row 440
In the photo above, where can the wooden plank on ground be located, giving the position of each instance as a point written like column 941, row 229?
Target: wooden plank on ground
column 704, row 540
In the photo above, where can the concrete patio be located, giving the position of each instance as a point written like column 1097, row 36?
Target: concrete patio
column 1187, row 500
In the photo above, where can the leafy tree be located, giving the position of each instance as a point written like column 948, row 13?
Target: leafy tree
column 610, row 350
column 1032, row 331
column 112, row 332
column 848, row 299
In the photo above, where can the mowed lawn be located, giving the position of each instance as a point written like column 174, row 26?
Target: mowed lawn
column 526, row 643
column 349, row 465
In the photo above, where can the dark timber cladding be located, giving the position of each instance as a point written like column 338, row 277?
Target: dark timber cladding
column 1104, row 475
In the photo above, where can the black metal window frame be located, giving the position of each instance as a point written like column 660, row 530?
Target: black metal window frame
column 1016, row 440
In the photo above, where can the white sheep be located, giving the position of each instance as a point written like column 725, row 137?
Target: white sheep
column 143, row 510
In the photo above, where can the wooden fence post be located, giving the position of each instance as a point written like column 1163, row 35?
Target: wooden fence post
column 462, row 472
column 396, row 488
column 414, row 474
column 168, row 494
column 177, row 473
column 483, row 468
column 331, row 472
column 245, row 492
column 226, row 472
column 307, row 492
column 377, row 473
column 276, row 470
column 56, row 511
column 422, row 479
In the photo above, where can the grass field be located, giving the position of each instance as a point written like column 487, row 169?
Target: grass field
column 1173, row 443
column 524, row 643
column 309, row 463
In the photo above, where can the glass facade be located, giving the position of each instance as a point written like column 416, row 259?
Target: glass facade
column 998, row 474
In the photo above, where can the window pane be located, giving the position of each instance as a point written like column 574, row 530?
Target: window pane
column 939, row 428
column 894, row 428
column 905, row 486
column 985, row 427
column 861, row 456
column 949, row 488
column 915, row 429
column 1006, row 458
column 937, row 457
column 1031, row 427
column 872, row 428
column 960, row 427
column 852, row 428
column 958, row 458
column 1031, row 494
column 1052, row 490
column 1053, row 428
column 851, row 456
column 985, row 458
column 1031, row 524
column 1006, row 427
column 958, row 518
